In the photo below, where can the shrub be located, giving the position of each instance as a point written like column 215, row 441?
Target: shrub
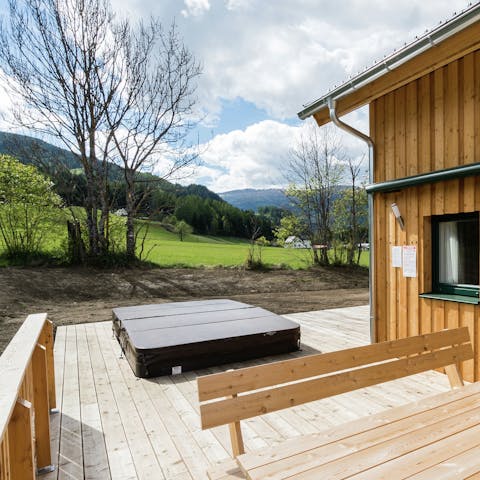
column 27, row 202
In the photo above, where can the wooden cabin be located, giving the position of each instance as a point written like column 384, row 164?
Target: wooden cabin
column 424, row 111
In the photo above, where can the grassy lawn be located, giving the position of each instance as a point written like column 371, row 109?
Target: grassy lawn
column 165, row 249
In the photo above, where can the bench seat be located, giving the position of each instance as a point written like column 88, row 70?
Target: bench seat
column 353, row 436
column 227, row 398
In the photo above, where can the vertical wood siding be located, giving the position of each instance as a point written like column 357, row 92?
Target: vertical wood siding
column 427, row 125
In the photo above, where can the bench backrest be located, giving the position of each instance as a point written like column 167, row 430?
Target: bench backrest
column 231, row 396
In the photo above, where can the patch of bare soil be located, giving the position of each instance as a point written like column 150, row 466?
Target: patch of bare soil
column 72, row 295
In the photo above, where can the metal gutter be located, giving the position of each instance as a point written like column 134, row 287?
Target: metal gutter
column 371, row 154
column 431, row 177
column 435, row 36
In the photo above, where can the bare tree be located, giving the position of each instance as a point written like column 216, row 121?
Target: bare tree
column 61, row 61
column 314, row 170
column 350, row 210
column 104, row 89
column 152, row 115
column 355, row 171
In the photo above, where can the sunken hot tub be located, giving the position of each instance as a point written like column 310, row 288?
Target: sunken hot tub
column 171, row 338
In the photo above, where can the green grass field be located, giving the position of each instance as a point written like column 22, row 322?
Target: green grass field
column 165, row 249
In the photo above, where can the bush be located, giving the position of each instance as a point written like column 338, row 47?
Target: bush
column 27, row 202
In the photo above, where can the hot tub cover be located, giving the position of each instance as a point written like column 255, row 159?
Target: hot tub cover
column 170, row 338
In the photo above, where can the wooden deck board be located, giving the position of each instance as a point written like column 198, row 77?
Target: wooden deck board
column 70, row 464
column 143, row 455
column 119, row 455
column 95, row 461
column 167, row 455
column 55, row 419
column 113, row 425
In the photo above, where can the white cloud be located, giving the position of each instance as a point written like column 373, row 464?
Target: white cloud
column 257, row 157
column 247, row 158
column 279, row 55
column 238, row 4
column 195, row 8
column 6, row 105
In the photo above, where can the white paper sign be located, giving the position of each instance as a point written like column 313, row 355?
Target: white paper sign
column 409, row 261
column 396, row 256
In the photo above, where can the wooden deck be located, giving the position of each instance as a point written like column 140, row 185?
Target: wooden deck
column 113, row 425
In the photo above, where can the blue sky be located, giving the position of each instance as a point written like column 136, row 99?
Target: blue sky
column 263, row 59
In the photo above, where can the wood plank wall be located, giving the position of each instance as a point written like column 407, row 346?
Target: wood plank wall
column 429, row 124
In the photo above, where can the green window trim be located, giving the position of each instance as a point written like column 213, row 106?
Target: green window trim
column 451, row 298
column 463, row 290
column 443, row 175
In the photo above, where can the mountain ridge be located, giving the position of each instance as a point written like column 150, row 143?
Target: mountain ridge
column 31, row 150
column 254, row 198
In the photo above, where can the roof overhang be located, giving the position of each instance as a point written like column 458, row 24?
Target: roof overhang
column 446, row 43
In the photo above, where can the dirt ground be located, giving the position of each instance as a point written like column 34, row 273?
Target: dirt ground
column 88, row 295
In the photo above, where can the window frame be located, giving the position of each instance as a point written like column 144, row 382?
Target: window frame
column 447, row 288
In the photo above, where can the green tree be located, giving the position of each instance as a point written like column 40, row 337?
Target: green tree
column 27, row 200
column 182, row 228
column 273, row 213
column 289, row 225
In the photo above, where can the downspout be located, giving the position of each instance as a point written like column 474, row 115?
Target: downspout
column 371, row 153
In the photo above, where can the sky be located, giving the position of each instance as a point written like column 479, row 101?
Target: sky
column 262, row 60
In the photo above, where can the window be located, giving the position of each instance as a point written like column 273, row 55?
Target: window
column 455, row 254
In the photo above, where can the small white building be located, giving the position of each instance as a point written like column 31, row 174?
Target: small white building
column 121, row 212
column 296, row 242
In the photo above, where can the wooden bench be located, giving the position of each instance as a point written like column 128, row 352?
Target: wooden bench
column 232, row 396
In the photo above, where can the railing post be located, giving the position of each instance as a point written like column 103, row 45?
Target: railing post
column 20, row 441
column 4, row 458
column 41, row 409
column 52, row 397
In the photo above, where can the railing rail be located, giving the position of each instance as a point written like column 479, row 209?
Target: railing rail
column 27, row 395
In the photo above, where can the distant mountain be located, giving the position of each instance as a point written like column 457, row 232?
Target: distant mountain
column 32, row 150
column 252, row 199
column 49, row 158
column 198, row 190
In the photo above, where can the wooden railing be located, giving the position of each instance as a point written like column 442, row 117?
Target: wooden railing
column 27, row 395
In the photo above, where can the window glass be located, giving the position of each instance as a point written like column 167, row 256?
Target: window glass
column 456, row 254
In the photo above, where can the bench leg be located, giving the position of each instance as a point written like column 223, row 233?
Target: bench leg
column 454, row 376
column 236, row 438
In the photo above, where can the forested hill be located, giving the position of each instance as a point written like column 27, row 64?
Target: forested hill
column 253, row 199
column 48, row 157
column 32, row 150
column 205, row 211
